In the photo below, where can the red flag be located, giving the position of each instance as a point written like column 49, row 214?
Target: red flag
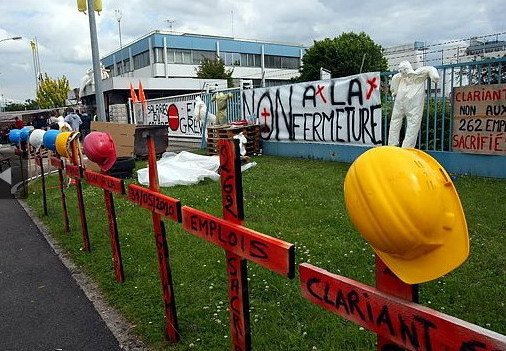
column 142, row 97
column 133, row 96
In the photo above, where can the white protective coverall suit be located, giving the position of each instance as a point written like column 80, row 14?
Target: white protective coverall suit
column 200, row 113
column 221, row 106
column 408, row 89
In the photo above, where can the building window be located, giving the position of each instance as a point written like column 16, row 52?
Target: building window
column 272, row 61
column 141, row 60
column 281, row 62
column 111, row 70
column 251, row 60
column 290, row 62
column 275, row 83
column 231, row 58
column 124, row 66
column 199, row 55
column 170, row 55
column 179, row 56
column 186, row 57
column 158, row 53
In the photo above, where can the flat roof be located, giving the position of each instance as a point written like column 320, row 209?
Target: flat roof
column 193, row 41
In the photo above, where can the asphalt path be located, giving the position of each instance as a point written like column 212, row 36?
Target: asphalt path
column 41, row 305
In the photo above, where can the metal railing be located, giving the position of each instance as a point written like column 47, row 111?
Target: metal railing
column 233, row 108
column 436, row 129
column 234, row 103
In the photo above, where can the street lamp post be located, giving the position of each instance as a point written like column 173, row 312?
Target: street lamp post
column 97, row 73
column 12, row 38
column 118, row 18
column 1, row 100
column 36, row 63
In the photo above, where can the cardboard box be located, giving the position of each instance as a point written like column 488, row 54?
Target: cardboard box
column 92, row 166
column 122, row 134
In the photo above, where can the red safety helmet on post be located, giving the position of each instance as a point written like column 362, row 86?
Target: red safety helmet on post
column 99, row 148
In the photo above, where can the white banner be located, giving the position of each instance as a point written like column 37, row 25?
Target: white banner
column 177, row 115
column 346, row 110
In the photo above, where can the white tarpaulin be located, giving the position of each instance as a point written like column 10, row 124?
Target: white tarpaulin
column 184, row 168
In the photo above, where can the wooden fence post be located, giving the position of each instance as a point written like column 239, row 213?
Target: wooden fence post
column 76, row 172
column 109, row 185
column 40, row 162
column 57, row 163
column 171, row 323
column 240, row 244
column 387, row 282
column 233, row 211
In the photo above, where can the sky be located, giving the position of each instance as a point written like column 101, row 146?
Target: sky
column 63, row 36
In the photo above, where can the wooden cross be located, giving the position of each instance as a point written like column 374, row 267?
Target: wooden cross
column 387, row 282
column 240, row 243
column 160, row 205
column 110, row 185
column 408, row 324
column 40, row 162
column 57, row 163
column 76, row 172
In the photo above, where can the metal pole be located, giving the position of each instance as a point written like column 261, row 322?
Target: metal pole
column 362, row 65
column 39, row 69
column 119, row 30
column 33, row 45
column 120, row 46
column 97, row 74
column 118, row 18
column 1, row 100
column 262, row 60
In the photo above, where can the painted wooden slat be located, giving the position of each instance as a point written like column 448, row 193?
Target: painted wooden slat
column 408, row 324
column 105, row 182
column 161, row 204
column 274, row 254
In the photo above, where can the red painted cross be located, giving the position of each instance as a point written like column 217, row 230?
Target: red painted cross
column 319, row 91
column 265, row 114
column 373, row 85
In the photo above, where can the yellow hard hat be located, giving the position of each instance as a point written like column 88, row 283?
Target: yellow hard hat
column 63, row 141
column 406, row 207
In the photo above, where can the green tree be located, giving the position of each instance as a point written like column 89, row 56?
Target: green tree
column 52, row 92
column 214, row 69
column 343, row 56
column 29, row 104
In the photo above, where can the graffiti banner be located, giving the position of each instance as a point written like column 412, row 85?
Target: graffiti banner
column 174, row 112
column 344, row 110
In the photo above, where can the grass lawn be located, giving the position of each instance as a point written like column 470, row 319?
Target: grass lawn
column 299, row 201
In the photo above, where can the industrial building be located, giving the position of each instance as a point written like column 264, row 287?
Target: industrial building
column 166, row 63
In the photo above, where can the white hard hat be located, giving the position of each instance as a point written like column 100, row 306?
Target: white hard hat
column 36, row 138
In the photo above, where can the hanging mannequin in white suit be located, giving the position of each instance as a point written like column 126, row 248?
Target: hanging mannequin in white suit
column 408, row 89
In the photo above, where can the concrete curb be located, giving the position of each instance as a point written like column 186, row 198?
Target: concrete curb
column 117, row 324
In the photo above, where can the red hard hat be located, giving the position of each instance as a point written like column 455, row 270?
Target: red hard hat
column 99, row 148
